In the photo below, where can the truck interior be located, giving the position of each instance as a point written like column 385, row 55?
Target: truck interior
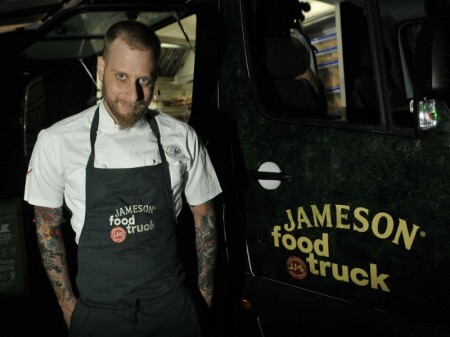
column 366, row 81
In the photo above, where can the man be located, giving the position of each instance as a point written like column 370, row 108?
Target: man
column 121, row 170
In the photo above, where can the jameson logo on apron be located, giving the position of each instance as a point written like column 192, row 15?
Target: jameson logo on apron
column 123, row 222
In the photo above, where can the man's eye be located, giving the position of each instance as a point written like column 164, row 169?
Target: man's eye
column 144, row 81
column 121, row 77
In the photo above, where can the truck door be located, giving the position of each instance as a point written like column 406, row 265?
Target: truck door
column 346, row 210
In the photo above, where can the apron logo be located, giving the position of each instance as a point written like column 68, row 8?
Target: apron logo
column 118, row 234
column 175, row 152
column 296, row 267
column 123, row 221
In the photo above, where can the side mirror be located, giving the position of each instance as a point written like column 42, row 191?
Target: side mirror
column 434, row 121
column 431, row 103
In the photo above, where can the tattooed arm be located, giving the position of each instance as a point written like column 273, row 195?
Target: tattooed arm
column 53, row 255
column 206, row 245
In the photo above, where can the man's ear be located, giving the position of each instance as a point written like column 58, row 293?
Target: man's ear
column 100, row 66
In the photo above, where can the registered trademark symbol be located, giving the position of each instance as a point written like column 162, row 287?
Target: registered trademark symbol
column 423, row 234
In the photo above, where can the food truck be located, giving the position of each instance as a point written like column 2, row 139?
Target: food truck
column 328, row 123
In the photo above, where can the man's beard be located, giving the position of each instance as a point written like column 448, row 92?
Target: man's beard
column 126, row 120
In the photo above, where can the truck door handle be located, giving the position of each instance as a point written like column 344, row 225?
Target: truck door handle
column 259, row 175
column 269, row 175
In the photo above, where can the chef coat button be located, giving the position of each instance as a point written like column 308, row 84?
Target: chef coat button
column 153, row 161
column 105, row 166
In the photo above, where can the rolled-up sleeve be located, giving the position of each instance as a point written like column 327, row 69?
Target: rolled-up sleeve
column 44, row 184
column 202, row 183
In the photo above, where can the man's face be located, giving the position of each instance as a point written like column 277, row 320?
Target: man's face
column 127, row 82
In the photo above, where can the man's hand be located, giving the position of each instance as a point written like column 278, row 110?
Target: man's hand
column 207, row 296
column 67, row 310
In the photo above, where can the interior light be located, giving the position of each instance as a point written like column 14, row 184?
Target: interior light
column 170, row 45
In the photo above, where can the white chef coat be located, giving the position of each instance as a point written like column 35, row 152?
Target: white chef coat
column 57, row 168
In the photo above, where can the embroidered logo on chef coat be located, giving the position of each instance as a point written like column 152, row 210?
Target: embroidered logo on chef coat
column 123, row 222
column 175, row 152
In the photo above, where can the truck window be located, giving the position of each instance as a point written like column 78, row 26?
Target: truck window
column 363, row 79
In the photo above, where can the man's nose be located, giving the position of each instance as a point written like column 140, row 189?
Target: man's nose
column 135, row 92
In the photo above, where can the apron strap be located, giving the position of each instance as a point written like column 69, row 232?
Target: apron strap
column 154, row 126
column 94, row 128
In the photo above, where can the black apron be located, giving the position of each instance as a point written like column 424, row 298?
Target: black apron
column 130, row 275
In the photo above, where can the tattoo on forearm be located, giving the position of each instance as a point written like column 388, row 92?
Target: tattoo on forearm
column 206, row 244
column 51, row 246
